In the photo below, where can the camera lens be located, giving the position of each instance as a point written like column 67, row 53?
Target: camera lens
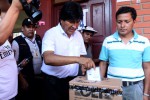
column 36, row 16
column 31, row 10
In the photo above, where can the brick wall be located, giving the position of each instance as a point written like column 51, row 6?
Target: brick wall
column 142, row 25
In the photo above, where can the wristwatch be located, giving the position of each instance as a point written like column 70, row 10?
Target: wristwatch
column 145, row 94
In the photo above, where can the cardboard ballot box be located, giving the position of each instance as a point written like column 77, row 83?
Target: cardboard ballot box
column 82, row 89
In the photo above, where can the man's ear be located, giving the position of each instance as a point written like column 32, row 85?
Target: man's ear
column 22, row 29
column 134, row 21
column 61, row 21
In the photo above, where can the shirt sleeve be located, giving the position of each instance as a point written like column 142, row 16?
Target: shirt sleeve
column 15, row 47
column 48, row 42
column 104, row 51
column 146, row 53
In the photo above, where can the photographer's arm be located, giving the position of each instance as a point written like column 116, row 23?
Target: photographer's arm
column 8, row 22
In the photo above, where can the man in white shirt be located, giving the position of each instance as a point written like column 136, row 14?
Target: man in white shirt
column 62, row 48
column 28, row 46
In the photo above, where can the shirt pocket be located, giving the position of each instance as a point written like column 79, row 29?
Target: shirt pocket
column 74, row 49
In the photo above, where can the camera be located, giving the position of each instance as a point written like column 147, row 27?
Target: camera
column 31, row 9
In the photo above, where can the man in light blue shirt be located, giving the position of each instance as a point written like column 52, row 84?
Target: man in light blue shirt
column 128, row 55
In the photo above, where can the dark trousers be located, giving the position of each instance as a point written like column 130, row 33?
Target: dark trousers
column 25, row 94
column 34, row 91
column 55, row 88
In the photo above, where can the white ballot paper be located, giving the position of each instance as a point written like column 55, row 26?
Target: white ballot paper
column 93, row 75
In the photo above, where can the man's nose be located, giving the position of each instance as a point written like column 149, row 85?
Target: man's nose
column 75, row 25
column 31, row 28
column 89, row 36
column 122, row 24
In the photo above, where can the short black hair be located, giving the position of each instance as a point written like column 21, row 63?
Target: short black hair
column 127, row 9
column 71, row 11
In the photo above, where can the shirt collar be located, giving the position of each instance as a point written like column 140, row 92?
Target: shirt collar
column 62, row 31
column 116, row 35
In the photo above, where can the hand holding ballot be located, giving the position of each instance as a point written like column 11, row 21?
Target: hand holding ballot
column 86, row 63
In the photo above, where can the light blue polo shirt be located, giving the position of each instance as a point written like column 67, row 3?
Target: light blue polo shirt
column 125, row 60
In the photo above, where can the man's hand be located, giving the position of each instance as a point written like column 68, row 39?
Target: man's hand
column 24, row 84
column 86, row 63
column 17, row 4
column 83, row 70
column 24, row 63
